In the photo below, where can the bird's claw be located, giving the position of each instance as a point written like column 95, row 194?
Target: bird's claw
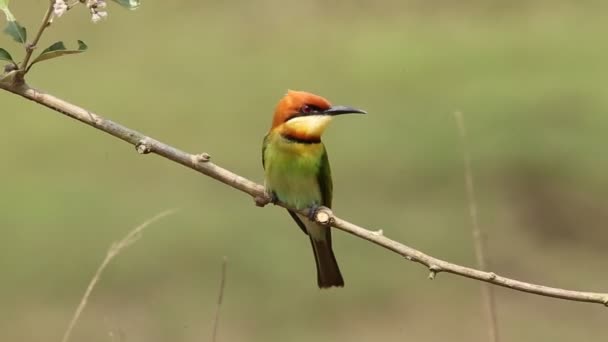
column 312, row 211
column 273, row 198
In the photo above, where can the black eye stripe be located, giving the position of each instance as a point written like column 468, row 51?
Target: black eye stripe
column 305, row 110
column 309, row 109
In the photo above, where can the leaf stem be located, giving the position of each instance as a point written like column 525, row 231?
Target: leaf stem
column 29, row 49
column 76, row 2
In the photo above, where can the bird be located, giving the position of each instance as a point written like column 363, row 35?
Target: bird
column 297, row 171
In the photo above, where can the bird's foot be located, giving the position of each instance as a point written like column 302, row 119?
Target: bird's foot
column 312, row 211
column 273, row 198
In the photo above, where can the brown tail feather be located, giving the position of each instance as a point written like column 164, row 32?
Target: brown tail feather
column 328, row 272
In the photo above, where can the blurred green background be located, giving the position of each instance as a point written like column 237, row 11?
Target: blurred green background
column 204, row 76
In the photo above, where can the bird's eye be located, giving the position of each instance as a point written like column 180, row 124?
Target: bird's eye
column 306, row 109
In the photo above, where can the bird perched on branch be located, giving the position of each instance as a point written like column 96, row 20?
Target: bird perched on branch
column 297, row 170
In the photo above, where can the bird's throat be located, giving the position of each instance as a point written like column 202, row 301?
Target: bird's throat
column 305, row 129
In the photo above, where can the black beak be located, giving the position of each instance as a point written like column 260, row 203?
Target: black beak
column 338, row 110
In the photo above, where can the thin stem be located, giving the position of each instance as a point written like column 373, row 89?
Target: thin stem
column 73, row 4
column 220, row 300
column 113, row 251
column 29, row 49
column 487, row 291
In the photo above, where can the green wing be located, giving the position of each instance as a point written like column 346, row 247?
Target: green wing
column 326, row 187
column 264, row 144
column 324, row 180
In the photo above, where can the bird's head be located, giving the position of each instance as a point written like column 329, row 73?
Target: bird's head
column 305, row 116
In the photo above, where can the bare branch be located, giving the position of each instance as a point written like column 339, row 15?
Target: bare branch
column 203, row 165
column 113, row 251
column 487, row 291
column 30, row 47
column 220, row 299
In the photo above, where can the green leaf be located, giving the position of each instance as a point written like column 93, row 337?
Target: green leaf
column 16, row 31
column 5, row 56
column 13, row 28
column 57, row 50
column 130, row 4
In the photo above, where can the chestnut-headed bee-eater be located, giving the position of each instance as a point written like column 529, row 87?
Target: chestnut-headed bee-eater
column 297, row 170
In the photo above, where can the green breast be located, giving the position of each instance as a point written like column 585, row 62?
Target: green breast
column 293, row 171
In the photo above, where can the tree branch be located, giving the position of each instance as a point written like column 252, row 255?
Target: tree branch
column 201, row 163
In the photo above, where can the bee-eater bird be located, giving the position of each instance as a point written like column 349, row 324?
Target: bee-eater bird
column 297, row 170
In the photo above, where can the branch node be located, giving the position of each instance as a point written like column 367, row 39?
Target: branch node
column 379, row 232
column 29, row 47
column 142, row 147
column 324, row 216
column 261, row 200
column 202, row 158
column 492, row 276
column 605, row 301
column 434, row 270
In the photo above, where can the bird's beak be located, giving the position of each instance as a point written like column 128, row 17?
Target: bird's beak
column 338, row 110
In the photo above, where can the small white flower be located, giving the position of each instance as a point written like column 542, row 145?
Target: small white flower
column 94, row 7
column 97, row 16
column 95, row 4
column 60, row 7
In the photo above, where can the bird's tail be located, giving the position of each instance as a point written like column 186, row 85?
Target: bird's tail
column 328, row 272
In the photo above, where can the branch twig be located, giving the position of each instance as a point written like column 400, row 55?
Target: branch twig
column 30, row 47
column 114, row 250
column 220, row 299
column 487, row 292
column 201, row 163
